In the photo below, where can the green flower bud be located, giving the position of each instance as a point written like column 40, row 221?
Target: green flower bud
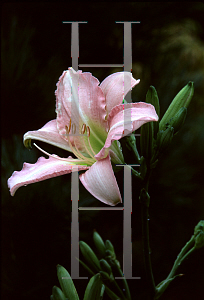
column 199, row 235
column 99, row 243
column 90, row 256
column 117, row 263
column 104, row 275
column 182, row 99
column 109, row 246
column 66, row 283
column 110, row 257
column 153, row 99
column 105, row 266
column 179, row 119
column 94, row 288
column 164, row 138
column 58, row 294
column 149, row 130
column 146, row 140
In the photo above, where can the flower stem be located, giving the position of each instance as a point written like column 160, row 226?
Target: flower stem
column 185, row 251
column 127, row 291
column 147, row 251
column 119, row 290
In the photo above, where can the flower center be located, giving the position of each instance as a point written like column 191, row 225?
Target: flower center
column 81, row 158
column 75, row 149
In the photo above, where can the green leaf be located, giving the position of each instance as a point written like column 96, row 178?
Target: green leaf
column 66, row 283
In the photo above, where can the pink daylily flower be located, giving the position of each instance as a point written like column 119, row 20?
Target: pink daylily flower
column 89, row 123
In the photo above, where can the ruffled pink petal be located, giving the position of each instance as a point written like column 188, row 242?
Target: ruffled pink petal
column 79, row 97
column 116, row 86
column 100, row 181
column 48, row 134
column 43, row 169
column 140, row 113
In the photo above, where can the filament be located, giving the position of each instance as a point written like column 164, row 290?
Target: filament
column 56, row 156
column 84, row 127
column 88, row 135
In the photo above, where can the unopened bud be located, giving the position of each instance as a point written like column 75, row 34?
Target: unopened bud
column 150, row 129
column 105, row 266
column 199, row 235
column 99, row 243
column 89, row 255
column 153, row 99
column 58, row 294
column 179, row 119
column 104, row 275
column 66, row 283
column 94, row 287
column 164, row 138
column 182, row 99
column 146, row 140
column 110, row 248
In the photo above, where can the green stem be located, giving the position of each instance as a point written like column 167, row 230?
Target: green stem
column 134, row 172
column 145, row 235
column 147, row 251
column 119, row 290
column 137, row 156
column 131, row 144
column 127, row 291
column 185, row 251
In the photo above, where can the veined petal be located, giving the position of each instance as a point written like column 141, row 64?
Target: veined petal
column 80, row 99
column 41, row 170
column 135, row 115
column 48, row 134
column 100, row 181
column 116, row 86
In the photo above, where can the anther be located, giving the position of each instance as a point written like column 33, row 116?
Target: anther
column 88, row 131
column 69, row 128
column 83, row 128
column 73, row 128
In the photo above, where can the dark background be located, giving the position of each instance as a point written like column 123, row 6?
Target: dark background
column 168, row 52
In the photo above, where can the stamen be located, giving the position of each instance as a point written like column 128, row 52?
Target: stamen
column 80, row 155
column 88, row 131
column 56, row 156
column 69, row 128
column 84, row 127
column 88, row 135
column 73, row 128
column 76, row 151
